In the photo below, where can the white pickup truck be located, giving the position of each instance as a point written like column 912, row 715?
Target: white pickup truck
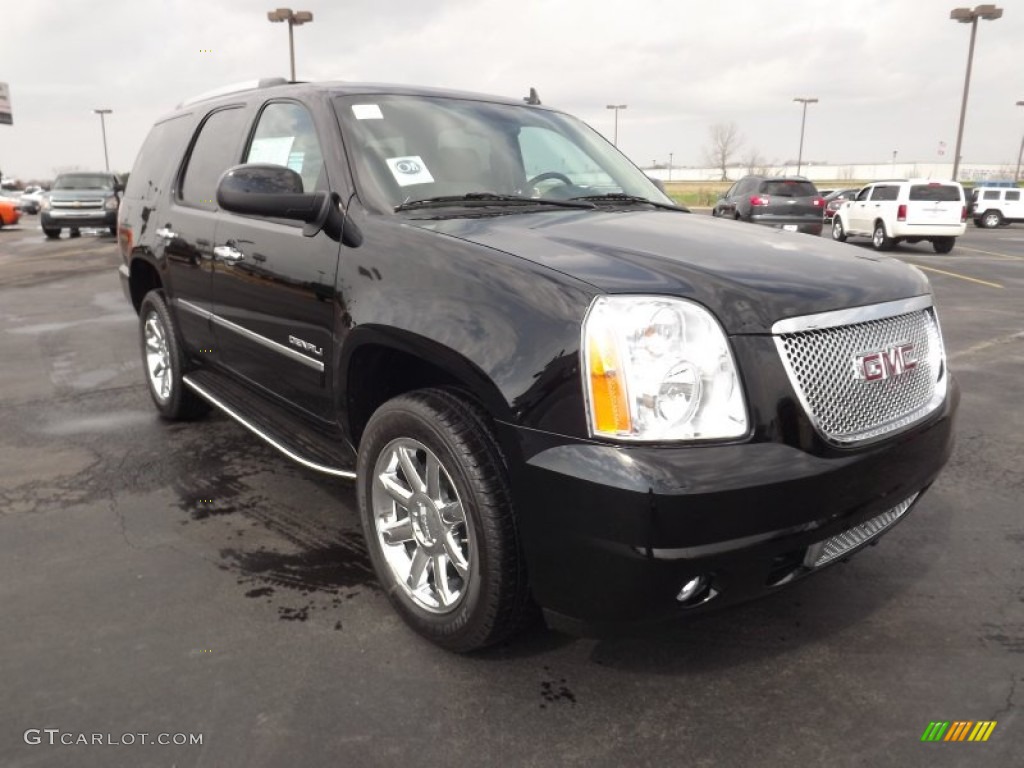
column 890, row 212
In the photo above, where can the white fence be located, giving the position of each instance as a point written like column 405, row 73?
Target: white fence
column 855, row 172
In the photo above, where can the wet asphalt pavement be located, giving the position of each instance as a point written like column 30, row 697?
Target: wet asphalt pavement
column 187, row 579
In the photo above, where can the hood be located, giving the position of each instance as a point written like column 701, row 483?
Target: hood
column 749, row 275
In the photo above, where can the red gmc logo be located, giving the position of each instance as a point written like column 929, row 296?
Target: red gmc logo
column 885, row 363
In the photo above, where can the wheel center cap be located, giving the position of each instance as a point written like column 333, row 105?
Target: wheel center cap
column 426, row 523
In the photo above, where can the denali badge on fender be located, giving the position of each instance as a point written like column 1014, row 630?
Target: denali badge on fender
column 885, row 363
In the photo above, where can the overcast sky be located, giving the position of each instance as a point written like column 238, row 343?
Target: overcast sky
column 888, row 73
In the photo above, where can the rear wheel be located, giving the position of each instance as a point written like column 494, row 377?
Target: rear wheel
column 880, row 240
column 838, row 233
column 438, row 520
column 52, row 232
column 991, row 219
column 943, row 244
column 164, row 362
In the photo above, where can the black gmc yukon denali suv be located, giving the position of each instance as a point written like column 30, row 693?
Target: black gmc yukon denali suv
column 551, row 386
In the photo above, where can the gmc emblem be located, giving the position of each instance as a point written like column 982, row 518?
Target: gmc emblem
column 885, row 363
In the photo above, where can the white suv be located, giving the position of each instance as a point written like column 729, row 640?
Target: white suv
column 995, row 206
column 890, row 212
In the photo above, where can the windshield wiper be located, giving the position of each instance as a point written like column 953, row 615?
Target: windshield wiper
column 622, row 197
column 486, row 198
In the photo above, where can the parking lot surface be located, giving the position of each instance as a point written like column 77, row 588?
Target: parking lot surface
column 186, row 579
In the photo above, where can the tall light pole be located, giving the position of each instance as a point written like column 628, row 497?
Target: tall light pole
column 670, row 166
column 894, row 161
column 803, row 122
column 616, row 107
column 103, row 128
column 967, row 16
column 1016, row 176
column 294, row 19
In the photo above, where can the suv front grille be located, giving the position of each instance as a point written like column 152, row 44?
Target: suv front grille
column 823, row 362
column 76, row 204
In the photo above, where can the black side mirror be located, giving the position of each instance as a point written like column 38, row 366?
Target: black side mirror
column 659, row 184
column 259, row 189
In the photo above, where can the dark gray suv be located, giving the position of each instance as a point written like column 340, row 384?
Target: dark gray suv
column 789, row 202
column 79, row 200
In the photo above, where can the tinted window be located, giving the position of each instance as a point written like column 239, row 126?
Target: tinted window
column 1015, row 195
column 863, row 194
column 156, row 158
column 214, row 151
column 285, row 136
column 789, row 188
column 84, row 181
column 991, row 194
column 886, row 192
column 939, row 193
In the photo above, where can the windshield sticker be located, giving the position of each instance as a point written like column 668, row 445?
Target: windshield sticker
column 409, row 170
column 274, row 151
column 367, row 112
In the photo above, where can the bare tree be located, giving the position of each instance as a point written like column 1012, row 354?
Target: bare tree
column 755, row 162
column 725, row 143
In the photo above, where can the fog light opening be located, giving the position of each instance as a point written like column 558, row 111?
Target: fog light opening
column 692, row 590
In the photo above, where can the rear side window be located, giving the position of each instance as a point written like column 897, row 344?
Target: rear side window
column 1015, row 195
column 938, row 193
column 991, row 194
column 214, row 151
column 887, row 192
column 789, row 188
column 156, row 159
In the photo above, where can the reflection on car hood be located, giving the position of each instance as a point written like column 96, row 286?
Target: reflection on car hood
column 749, row 275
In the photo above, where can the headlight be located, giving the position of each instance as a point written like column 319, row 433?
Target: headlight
column 659, row 369
column 44, row 204
column 110, row 203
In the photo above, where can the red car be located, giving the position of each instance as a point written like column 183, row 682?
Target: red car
column 835, row 199
column 9, row 213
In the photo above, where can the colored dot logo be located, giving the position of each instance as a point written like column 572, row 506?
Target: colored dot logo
column 206, row 50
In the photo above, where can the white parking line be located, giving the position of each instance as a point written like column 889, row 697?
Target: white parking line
column 957, row 275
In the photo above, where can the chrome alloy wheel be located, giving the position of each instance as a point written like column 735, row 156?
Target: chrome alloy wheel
column 421, row 525
column 878, row 239
column 158, row 358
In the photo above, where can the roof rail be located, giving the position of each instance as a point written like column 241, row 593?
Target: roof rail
column 247, row 85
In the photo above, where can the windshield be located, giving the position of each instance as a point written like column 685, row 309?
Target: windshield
column 409, row 148
column 83, row 181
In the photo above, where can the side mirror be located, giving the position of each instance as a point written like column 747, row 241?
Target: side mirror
column 261, row 189
column 659, row 184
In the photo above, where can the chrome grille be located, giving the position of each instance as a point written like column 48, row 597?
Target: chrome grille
column 826, row 551
column 76, row 204
column 845, row 407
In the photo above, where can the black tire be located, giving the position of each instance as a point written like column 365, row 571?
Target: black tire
column 943, row 244
column 175, row 402
column 880, row 240
column 991, row 219
column 493, row 601
column 838, row 233
column 52, row 233
column 113, row 229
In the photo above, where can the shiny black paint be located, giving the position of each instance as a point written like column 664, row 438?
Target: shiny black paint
column 495, row 303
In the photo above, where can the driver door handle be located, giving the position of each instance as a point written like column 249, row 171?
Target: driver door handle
column 166, row 233
column 228, row 254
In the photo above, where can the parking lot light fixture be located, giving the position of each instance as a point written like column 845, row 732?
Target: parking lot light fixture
column 616, row 107
column 103, row 128
column 294, row 19
column 803, row 122
column 1020, row 153
column 969, row 16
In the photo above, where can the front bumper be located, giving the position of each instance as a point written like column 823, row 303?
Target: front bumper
column 52, row 219
column 611, row 533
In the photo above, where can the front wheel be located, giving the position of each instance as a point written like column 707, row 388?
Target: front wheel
column 164, row 362
column 943, row 244
column 991, row 219
column 838, row 233
column 880, row 240
column 438, row 520
column 52, row 233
